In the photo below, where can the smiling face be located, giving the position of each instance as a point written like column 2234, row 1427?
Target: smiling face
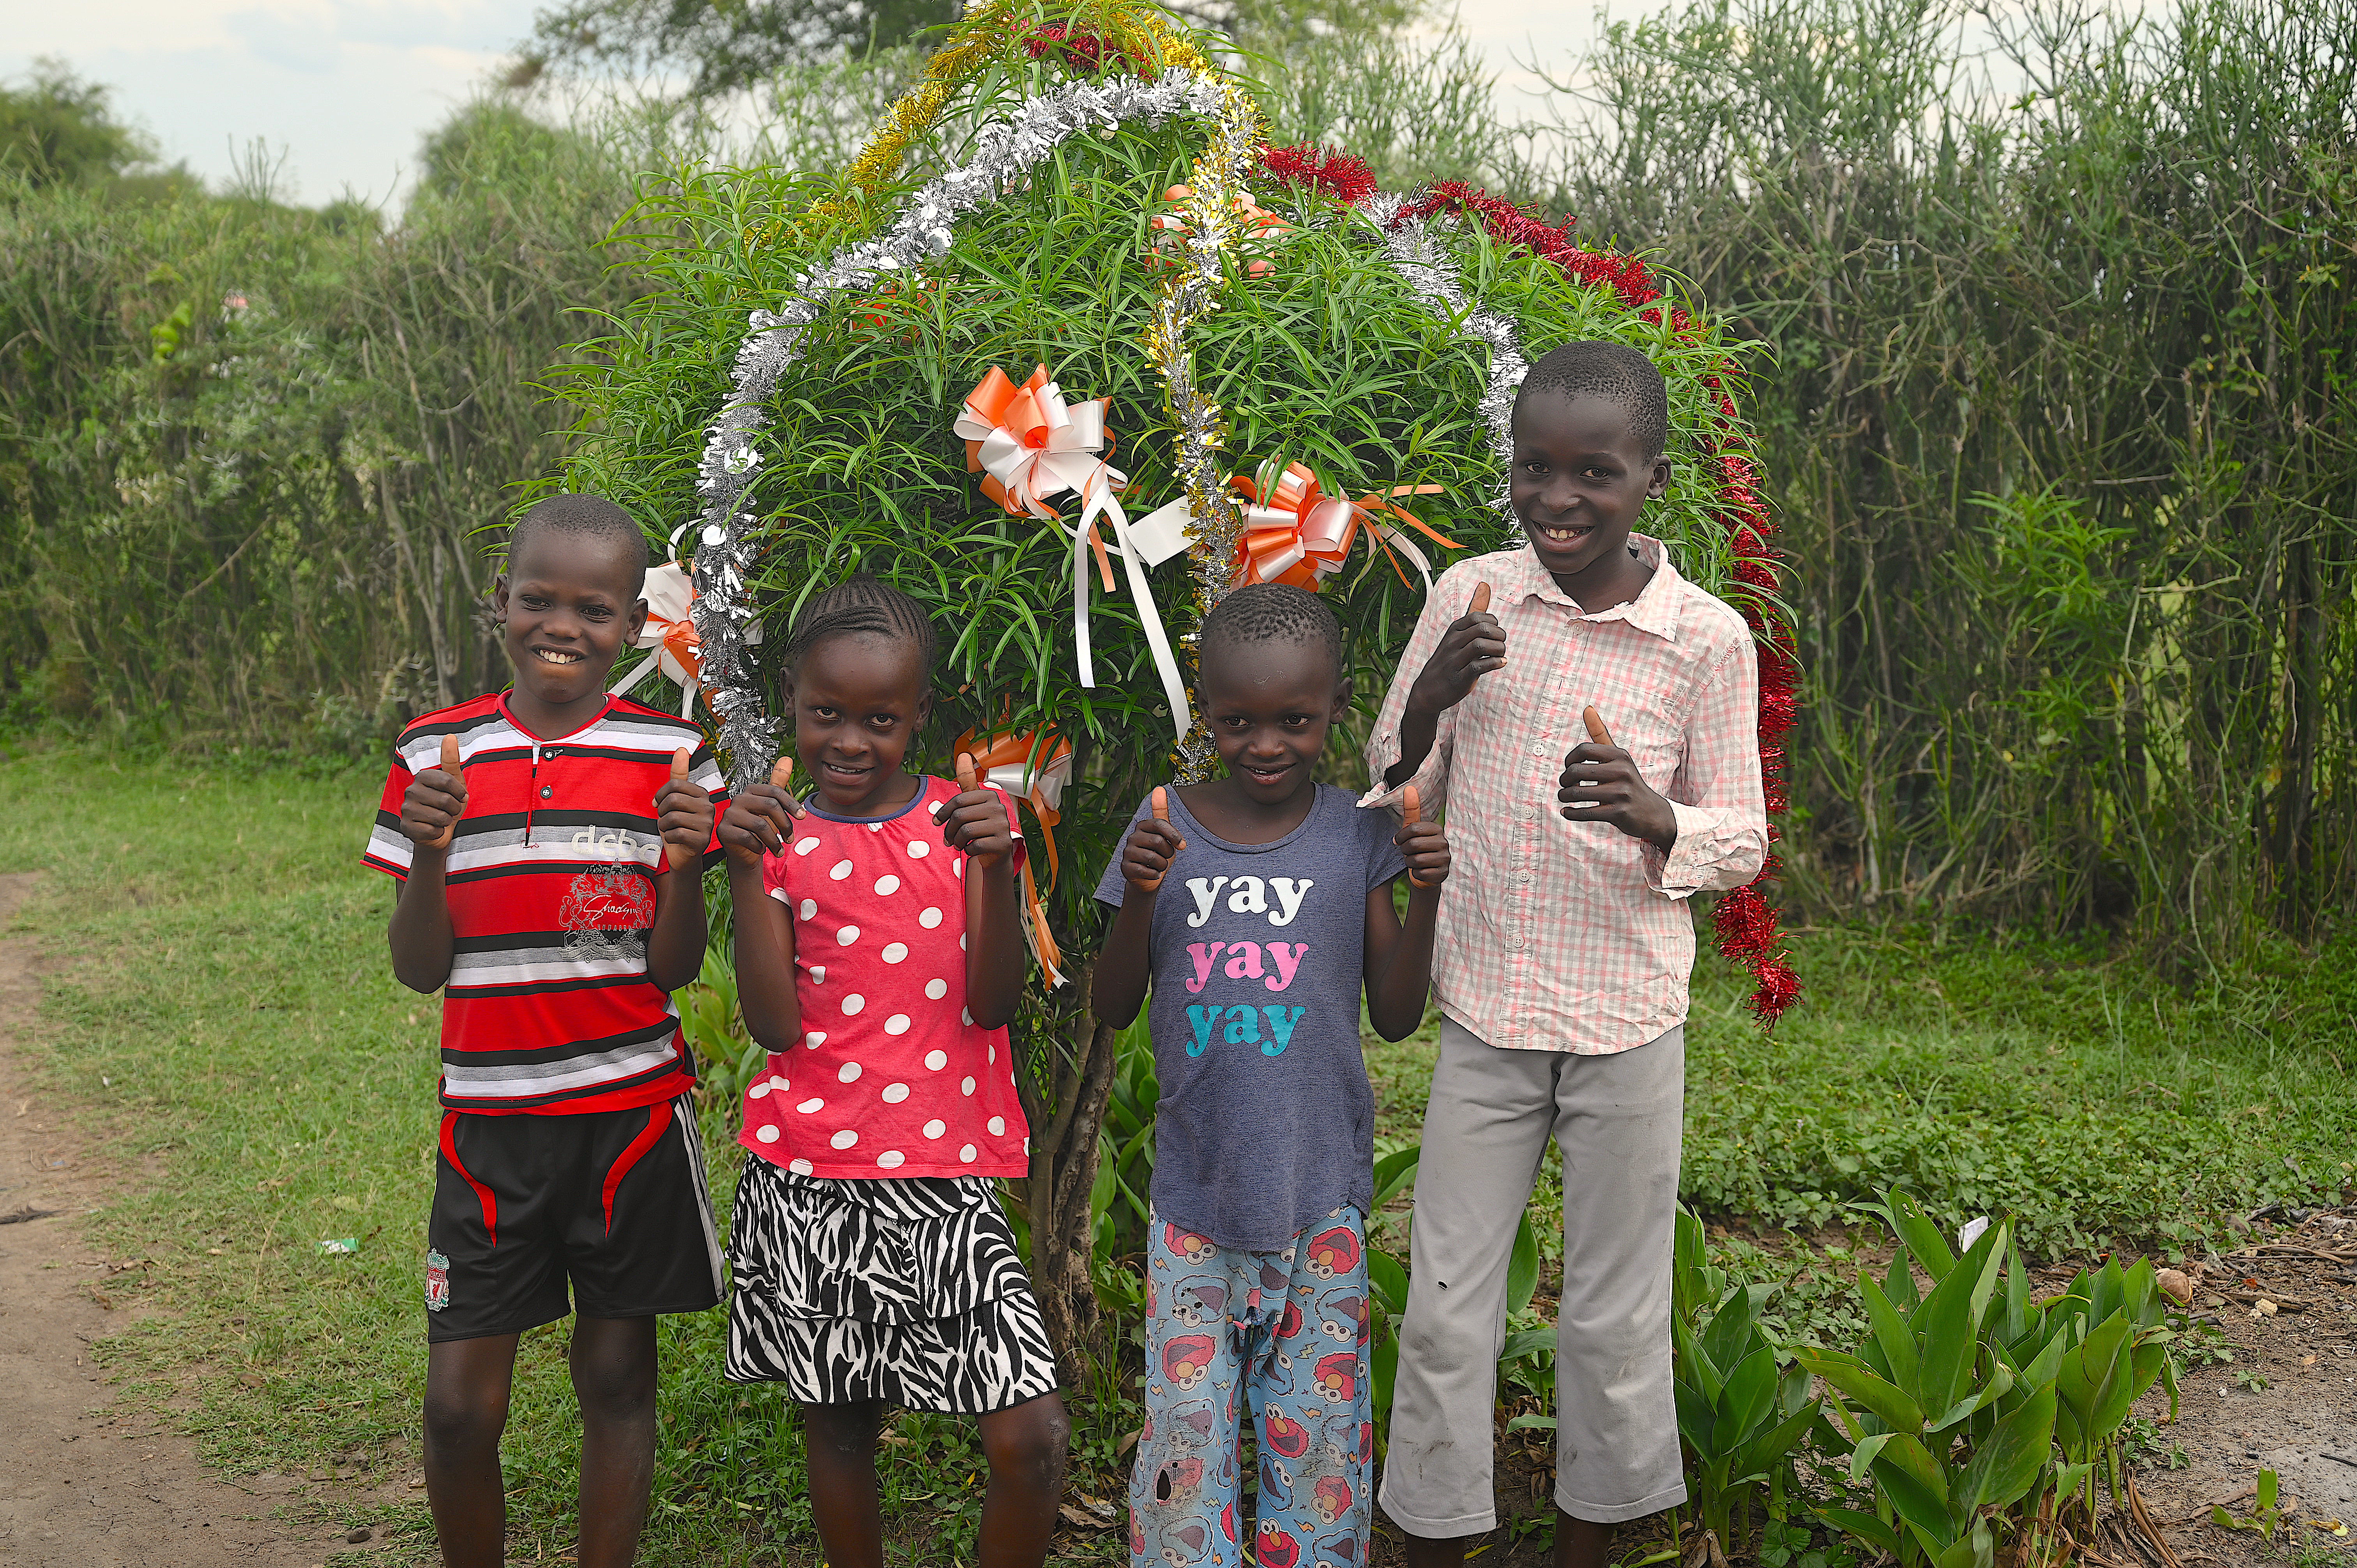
column 858, row 702
column 1269, row 706
column 566, row 604
column 1581, row 477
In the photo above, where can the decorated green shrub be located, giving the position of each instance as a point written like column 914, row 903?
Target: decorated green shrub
column 1069, row 287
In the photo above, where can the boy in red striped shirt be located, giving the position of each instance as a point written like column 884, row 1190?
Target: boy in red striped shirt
column 550, row 842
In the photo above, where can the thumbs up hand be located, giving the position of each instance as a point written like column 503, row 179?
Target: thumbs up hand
column 684, row 815
column 1600, row 784
column 760, row 820
column 1473, row 645
column 975, row 820
column 1424, row 844
column 1153, row 845
column 435, row 799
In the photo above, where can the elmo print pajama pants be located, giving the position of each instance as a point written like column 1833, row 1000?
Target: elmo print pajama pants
column 1283, row 1334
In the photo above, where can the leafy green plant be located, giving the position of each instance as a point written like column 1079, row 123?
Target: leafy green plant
column 726, row 1055
column 2267, row 1511
column 1739, row 1416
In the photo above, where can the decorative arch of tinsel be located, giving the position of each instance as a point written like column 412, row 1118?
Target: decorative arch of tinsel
column 722, row 561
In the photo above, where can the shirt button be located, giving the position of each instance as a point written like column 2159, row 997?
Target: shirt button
column 546, row 791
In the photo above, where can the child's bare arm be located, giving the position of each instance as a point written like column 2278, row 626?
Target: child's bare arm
column 1473, row 645
column 1126, row 960
column 420, row 936
column 762, row 819
column 683, row 816
column 1399, row 958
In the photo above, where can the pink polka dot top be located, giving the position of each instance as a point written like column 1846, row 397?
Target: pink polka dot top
column 893, row 1077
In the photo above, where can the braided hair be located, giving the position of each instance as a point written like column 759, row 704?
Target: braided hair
column 861, row 607
column 1273, row 612
column 1613, row 371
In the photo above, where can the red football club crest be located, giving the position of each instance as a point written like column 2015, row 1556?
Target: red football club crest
column 437, row 1281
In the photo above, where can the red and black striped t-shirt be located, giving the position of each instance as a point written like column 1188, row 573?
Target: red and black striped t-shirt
column 552, row 887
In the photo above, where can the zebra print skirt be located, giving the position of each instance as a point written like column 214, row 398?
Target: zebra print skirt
column 906, row 1290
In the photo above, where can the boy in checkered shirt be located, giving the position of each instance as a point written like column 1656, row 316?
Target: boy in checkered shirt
column 1564, row 947
column 550, row 843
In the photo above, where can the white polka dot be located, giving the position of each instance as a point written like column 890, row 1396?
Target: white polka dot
column 895, row 1093
column 818, row 975
column 816, row 1038
column 759, row 1091
column 965, row 1015
column 990, row 1056
column 958, row 865
column 966, row 1086
column 849, row 1073
column 767, row 1134
column 802, row 1167
column 886, row 885
column 937, row 988
column 891, row 1159
column 937, row 1060
column 919, row 849
column 779, row 1084
column 997, row 1126
column 808, row 908
column 961, row 941
column 853, row 1004
column 812, row 1104
column 874, row 827
column 966, row 1153
column 935, row 1128
column 848, row 935
column 840, row 869
column 895, row 952
column 929, row 918
column 803, row 846
column 898, row 1023
column 844, row 1138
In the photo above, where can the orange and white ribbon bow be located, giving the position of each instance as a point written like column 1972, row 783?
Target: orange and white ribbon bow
column 678, row 651
column 1254, row 219
column 1296, row 533
column 1028, row 444
column 1034, row 768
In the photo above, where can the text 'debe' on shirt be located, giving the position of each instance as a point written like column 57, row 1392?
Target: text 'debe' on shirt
column 552, row 884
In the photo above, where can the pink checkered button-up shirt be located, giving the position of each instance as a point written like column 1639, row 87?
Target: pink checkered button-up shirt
column 1559, row 936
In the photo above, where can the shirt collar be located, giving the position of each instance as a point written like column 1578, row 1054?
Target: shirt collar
column 1654, row 609
column 595, row 719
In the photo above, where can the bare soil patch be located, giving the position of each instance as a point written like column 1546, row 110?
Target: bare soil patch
column 89, row 1482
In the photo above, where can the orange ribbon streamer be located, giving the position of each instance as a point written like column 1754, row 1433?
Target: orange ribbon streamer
column 1034, row 767
column 1298, row 535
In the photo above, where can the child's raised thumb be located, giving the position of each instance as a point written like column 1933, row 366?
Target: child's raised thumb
column 679, row 765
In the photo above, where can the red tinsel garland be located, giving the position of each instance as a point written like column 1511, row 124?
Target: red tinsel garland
column 1075, row 46
column 1746, row 923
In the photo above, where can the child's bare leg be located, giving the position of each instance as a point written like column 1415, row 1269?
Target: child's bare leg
column 1028, row 1445
column 467, row 1384
column 842, row 1442
column 1443, row 1553
column 1580, row 1543
column 614, row 1379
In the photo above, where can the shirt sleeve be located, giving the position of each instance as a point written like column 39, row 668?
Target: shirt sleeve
column 1451, row 597
column 1716, row 795
column 389, row 849
column 1384, row 860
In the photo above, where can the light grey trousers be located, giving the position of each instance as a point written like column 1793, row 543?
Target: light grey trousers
column 1620, row 1119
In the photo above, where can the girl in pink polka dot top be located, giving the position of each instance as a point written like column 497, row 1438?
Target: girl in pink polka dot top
column 879, row 956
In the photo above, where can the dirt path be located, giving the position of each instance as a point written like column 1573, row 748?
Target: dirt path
column 86, row 1483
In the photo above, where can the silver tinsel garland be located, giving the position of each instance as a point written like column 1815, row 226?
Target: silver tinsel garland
column 1426, row 265
column 1005, row 151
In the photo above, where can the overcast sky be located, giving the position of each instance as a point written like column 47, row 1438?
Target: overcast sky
column 342, row 90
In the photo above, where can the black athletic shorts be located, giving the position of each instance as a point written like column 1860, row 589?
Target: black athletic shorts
column 610, row 1202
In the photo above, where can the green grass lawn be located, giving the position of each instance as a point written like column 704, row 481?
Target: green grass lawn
column 232, row 1024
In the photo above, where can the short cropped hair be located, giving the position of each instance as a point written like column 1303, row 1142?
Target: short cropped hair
column 861, row 607
column 590, row 517
column 1273, row 612
column 1613, row 371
